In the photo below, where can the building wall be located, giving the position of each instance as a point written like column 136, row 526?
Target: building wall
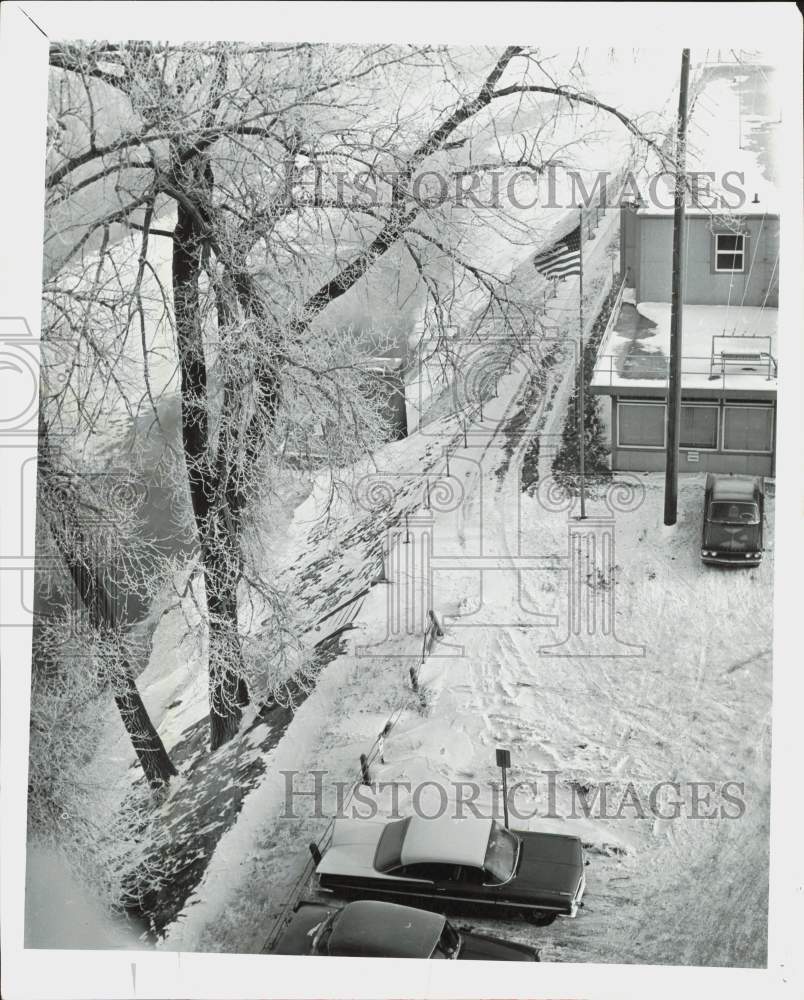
column 629, row 246
column 647, row 249
column 637, row 459
column 633, row 460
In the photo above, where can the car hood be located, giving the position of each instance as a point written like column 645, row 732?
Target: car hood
column 480, row 947
column 550, row 863
column 732, row 537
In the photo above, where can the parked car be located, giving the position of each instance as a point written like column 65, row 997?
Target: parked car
column 368, row 928
column 734, row 512
column 455, row 861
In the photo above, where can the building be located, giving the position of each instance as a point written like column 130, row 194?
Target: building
column 729, row 347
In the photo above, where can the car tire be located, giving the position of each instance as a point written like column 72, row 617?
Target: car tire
column 539, row 919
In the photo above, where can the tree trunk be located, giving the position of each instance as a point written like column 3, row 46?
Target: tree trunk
column 154, row 760
column 88, row 580
column 228, row 693
column 217, row 533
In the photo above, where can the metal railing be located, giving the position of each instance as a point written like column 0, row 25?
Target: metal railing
column 619, row 370
column 614, row 315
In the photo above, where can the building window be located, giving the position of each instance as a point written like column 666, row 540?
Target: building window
column 699, row 427
column 748, row 428
column 640, row 425
column 729, row 253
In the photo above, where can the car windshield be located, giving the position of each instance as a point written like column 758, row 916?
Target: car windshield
column 726, row 512
column 389, row 847
column 449, row 944
column 501, row 854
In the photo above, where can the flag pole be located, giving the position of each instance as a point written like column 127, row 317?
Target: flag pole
column 581, row 399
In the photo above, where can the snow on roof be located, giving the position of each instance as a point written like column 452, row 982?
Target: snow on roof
column 733, row 130
column 446, row 841
column 386, row 930
column 636, row 350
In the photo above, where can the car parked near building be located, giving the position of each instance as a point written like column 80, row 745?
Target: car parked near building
column 473, row 861
column 733, row 521
column 369, row 928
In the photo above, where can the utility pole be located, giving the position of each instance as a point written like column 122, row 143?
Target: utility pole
column 581, row 388
column 677, row 302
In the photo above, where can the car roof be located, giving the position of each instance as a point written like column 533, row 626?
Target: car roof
column 384, row 930
column 446, row 841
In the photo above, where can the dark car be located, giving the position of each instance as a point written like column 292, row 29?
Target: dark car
column 734, row 512
column 455, row 861
column 372, row 929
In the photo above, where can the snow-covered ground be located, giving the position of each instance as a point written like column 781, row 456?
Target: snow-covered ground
column 689, row 702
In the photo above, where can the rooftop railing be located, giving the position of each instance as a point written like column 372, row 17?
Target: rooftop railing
column 727, row 369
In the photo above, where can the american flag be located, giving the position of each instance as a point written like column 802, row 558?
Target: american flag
column 563, row 259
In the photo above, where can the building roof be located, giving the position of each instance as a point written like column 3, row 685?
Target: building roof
column 723, row 348
column 385, row 930
column 734, row 119
column 446, row 841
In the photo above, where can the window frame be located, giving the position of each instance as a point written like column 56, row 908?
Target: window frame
column 404, row 871
column 748, row 406
column 741, row 252
column 718, row 422
column 642, row 402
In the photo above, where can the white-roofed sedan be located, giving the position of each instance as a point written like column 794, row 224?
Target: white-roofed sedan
column 471, row 862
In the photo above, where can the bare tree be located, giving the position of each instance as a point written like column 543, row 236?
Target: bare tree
column 282, row 176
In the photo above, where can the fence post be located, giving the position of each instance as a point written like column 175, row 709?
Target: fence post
column 381, row 741
column 414, row 680
column 439, row 629
column 383, row 577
